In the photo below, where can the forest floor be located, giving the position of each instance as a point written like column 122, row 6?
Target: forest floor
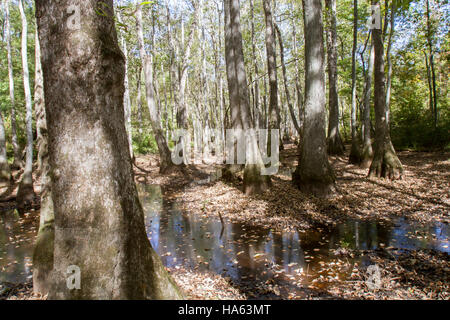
column 423, row 196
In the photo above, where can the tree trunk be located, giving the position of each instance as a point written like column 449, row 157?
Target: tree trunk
column 367, row 153
column 164, row 153
column 388, row 56
column 25, row 192
column 335, row 145
column 99, row 221
column 385, row 162
column 43, row 252
column 274, row 111
column 314, row 174
column 17, row 162
column 355, row 152
column 433, row 73
column 254, row 181
column 5, row 171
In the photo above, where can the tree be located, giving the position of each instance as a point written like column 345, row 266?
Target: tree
column 367, row 153
column 274, row 112
column 314, row 173
column 254, row 181
column 385, row 161
column 286, row 86
column 147, row 62
column 43, row 251
column 355, row 154
column 99, row 221
column 25, row 192
column 15, row 143
column 335, row 145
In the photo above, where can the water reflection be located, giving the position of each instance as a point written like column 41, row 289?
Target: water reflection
column 247, row 253
column 16, row 247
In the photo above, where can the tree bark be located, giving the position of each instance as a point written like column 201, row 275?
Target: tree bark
column 274, row 111
column 385, row 162
column 25, row 191
column 367, row 153
column 43, row 251
column 314, row 173
column 254, row 181
column 355, row 152
column 99, row 221
column 335, row 145
column 165, row 164
column 17, row 162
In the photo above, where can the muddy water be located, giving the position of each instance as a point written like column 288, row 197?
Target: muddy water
column 244, row 254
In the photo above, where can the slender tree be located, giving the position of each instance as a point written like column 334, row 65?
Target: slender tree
column 355, row 152
column 314, row 173
column 25, row 192
column 385, row 162
column 335, row 144
column 17, row 162
column 164, row 152
column 286, row 85
column 99, row 221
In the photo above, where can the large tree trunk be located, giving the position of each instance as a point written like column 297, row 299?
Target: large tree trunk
column 25, row 192
column 385, row 162
column 164, row 153
column 17, row 162
column 274, row 111
column 99, row 221
column 355, row 152
column 335, row 145
column 254, row 181
column 314, row 173
column 367, row 153
column 43, row 252
column 388, row 56
column 5, row 170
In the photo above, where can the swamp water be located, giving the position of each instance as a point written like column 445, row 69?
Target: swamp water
column 242, row 253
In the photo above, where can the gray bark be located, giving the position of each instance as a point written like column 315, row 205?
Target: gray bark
column 314, row 174
column 43, row 252
column 25, row 192
column 17, row 162
column 335, row 145
column 254, row 182
column 274, row 112
column 355, row 152
column 99, row 221
column 367, row 154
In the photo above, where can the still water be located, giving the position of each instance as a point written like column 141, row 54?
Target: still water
column 238, row 251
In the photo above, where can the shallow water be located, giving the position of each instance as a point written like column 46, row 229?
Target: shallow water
column 246, row 253
column 237, row 251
